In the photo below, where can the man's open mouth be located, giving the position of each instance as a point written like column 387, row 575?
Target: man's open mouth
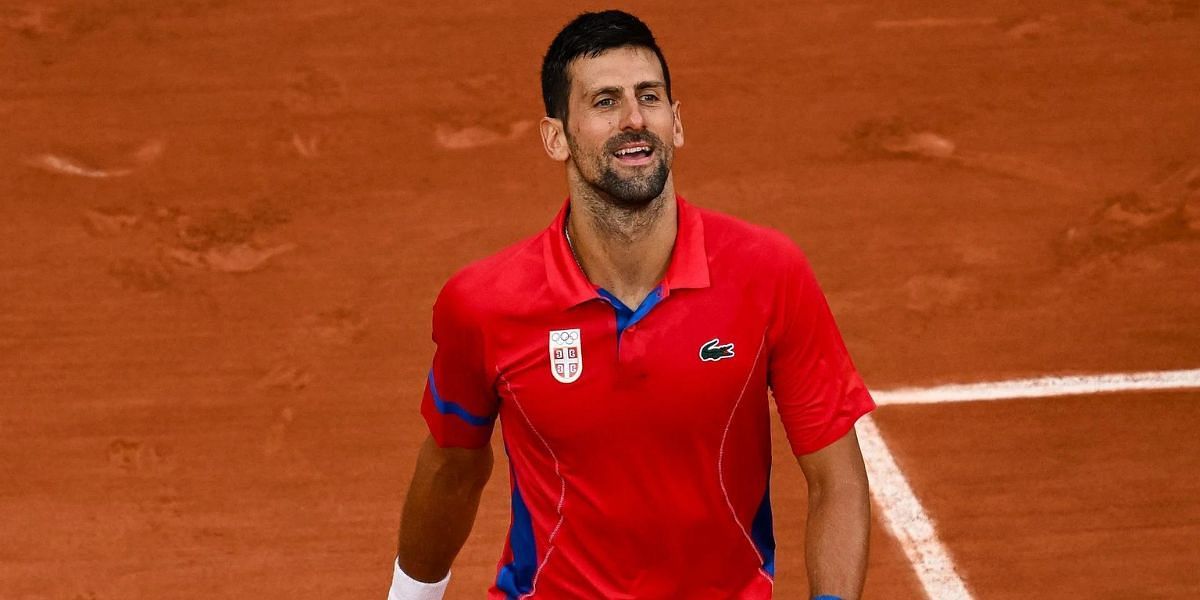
column 634, row 154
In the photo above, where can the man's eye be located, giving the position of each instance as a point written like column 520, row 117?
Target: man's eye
column 605, row 102
column 649, row 97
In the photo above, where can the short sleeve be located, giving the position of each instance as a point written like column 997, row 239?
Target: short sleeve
column 818, row 391
column 460, row 403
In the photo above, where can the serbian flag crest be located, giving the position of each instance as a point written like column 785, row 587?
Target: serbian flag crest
column 566, row 355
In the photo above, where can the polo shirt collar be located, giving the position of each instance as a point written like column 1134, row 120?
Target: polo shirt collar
column 689, row 258
column 688, row 267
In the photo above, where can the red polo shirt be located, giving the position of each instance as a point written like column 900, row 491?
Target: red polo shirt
column 639, row 439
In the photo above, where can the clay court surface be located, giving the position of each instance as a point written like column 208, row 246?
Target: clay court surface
column 222, row 226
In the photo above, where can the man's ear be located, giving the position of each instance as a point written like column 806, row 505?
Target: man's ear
column 677, row 134
column 554, row 139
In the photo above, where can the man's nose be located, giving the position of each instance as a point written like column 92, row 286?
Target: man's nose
column 632, row 117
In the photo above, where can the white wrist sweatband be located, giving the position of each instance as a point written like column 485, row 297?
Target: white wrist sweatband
column 407, row 588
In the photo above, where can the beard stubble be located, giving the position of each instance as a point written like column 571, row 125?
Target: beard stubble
column 634, row 192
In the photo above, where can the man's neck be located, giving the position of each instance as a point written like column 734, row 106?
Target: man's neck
column 624, row 251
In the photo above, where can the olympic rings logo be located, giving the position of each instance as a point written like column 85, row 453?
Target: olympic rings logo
column 568, row 336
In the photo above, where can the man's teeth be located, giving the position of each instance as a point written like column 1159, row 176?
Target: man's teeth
column 625, row 151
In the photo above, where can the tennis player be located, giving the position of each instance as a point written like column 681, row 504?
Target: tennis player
column 628, row 350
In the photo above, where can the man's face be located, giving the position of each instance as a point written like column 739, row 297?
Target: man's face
column 621, row 129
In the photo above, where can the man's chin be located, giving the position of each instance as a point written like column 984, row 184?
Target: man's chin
column 636, row 192
column 633, row 197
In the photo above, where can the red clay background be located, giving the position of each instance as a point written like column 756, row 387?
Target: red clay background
column 222, row 225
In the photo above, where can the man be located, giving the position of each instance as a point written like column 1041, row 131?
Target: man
column 628, row 350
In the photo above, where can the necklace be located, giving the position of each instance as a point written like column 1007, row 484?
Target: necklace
column 571, row 245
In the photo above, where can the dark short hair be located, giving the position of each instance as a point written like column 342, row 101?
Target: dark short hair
column 591, row 34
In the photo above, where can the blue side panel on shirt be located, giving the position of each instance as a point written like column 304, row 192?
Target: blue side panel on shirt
column 627, row 316
column 762, row 531
column 516, row 578
column 450, row 408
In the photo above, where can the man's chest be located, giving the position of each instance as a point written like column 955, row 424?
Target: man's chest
column 676, row 370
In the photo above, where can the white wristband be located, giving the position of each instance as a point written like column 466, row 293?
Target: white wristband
column 407, row 588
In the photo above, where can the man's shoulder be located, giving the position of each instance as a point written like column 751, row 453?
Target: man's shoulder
column 741, row 240
column 488, row 282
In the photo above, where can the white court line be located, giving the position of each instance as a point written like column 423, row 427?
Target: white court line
column 903, row 513
column 1042, row 387
column 906, row 519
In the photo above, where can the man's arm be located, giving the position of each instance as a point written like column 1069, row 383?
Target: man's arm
column 839, row 518
column 440, row 508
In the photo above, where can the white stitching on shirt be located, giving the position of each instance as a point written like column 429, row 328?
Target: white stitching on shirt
column 562, row 496
column 721, row 461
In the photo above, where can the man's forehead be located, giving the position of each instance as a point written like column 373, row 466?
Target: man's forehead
column 622, row 67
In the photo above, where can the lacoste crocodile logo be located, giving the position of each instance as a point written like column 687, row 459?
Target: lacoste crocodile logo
column 713, row 350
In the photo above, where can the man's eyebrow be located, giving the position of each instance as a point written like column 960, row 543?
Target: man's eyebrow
column 616, row 89
column 608, row 89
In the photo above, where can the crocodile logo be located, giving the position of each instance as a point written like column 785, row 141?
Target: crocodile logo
column 713, row 350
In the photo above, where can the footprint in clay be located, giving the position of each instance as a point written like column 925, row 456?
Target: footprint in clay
column 1164, row 211
column 232, row 258
column 75, row 165
column 476, row 136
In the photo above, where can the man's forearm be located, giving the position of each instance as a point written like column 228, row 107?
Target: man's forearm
column 839, row 521
column 440, row 508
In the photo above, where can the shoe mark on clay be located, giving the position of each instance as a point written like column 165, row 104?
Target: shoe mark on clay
column 163, row 508
column 287, row 459
column 339, row 327
column 223, row 241
column 898, row 138
column 472, row 121
column 159, row 276
column 77, row 166
column 308, row 145
column 224, row 226
column 153, row 274
column 931, row 293
column 276, row 438
column 475, row 136
column 313, row 90
column 233, row 258
column 293, row 370
column 295, row 136
column 110, row 222
column 1166, row 210
column 301, row 112
column 1030, row 28
column 285, row 376
column 229, row 241
column 132, row 456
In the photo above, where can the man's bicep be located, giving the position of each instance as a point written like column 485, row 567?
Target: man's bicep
column 839, row 462
column 470, row 466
